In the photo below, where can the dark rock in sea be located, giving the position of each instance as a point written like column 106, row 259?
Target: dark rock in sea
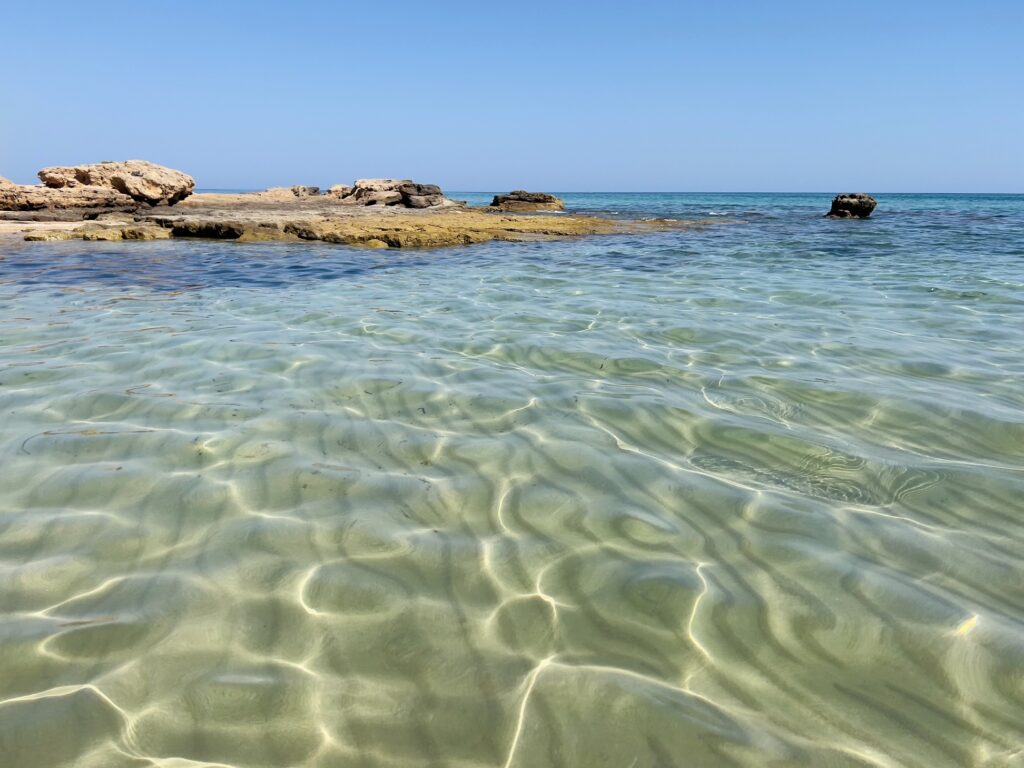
column 520, row 200
column 855, row 205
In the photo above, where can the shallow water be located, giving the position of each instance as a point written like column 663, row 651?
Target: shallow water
column 746, row 496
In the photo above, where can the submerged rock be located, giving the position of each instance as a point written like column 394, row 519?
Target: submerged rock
column 142, row 181
column 855, row 205
column 520, row 200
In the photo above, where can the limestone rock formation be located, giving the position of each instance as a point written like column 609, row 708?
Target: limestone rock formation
column 855, row 205
column 142, row 181
column 421, row 195
column 48, row 235
column 285, row 194
column 379, row 185
column 522, row 201
column 254, row 218
column 75, row 203
column 369, row 196
column 94, row 231
column 441, row 228
column 377, row 191
column 387, row 192
column 130, row 232
column 5, row 183
column 380, row 192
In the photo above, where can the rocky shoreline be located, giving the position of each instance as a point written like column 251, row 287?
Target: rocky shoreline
column 87, row 191
column 137, row 200
column 262, row 220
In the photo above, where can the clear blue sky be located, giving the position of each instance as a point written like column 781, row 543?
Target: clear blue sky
column 689, row 96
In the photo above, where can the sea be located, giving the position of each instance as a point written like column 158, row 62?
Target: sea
column 745, row 494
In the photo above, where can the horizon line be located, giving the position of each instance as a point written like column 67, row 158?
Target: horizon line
column 455, row 190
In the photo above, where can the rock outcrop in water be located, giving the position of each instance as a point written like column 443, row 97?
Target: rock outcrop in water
column 855, row 205
column 371, row 213
column 400, row 193
column 85, row 191
column 95, row 231
column 404, row 192
column 522, row 201
column 285, row 216
column 395, row 229
column 142, row 181
column 76, row 203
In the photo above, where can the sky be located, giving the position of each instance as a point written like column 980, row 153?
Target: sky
column 555, row 96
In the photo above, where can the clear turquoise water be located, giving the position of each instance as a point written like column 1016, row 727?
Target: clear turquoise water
column 745, row 496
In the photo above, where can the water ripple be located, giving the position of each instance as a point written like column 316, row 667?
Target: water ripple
column 749, row 495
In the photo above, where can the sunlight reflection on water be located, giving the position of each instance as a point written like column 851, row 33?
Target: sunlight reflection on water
column 749, row 494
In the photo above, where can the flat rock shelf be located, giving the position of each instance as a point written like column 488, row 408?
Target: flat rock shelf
column 259, row 218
